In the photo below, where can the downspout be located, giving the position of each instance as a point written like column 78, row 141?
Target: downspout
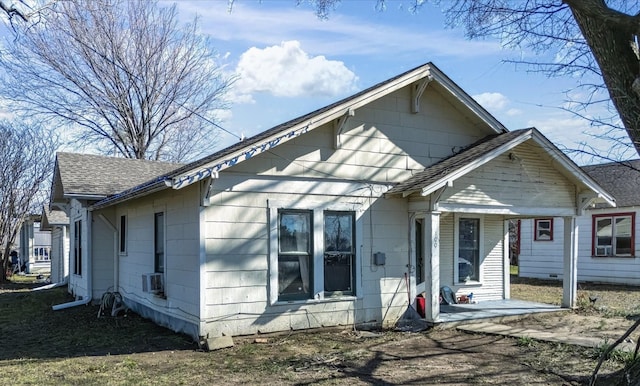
column 50, row 286
column 82, row 302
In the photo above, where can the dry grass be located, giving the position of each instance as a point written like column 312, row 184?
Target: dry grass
column 606, row 300
column 75, row 347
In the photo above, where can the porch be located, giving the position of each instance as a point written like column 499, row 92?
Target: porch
column 496, row 310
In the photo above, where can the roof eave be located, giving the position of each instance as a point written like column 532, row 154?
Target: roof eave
column 130, row 194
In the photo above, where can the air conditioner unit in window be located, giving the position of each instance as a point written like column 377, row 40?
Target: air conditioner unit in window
column 603, row 251
column 152, row 282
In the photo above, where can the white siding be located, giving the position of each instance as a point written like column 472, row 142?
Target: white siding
column 528, row 180
column 383, row 143
column 102, row 253
column 543, row 259
column 491, row 265
column 59, row 253
column 182, row 256
column 238, row 255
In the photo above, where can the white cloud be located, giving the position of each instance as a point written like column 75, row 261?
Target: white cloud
column 286, row 70
column 370, row 33
column 492, row 100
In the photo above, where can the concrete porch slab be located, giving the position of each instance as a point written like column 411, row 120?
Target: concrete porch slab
column 494, row 310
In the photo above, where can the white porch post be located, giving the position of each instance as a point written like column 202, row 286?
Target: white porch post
column 570, row 278
column 432, row 266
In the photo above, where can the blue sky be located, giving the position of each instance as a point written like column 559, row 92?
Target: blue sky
column 290, row 63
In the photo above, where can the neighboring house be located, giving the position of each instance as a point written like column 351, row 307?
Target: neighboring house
column 57, row 222
column 609, row 238
column 320, row 221
column 34, row 246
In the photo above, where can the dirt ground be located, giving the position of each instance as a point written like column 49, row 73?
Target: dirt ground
column 73, row 347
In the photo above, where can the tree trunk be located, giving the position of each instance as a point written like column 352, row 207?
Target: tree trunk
column 610, row 44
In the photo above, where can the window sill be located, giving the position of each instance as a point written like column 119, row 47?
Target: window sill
column 335, row 299
column 614, row 257
column 470, row 283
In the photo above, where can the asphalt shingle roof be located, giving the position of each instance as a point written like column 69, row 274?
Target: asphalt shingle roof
column 621, row 179
column 457, row 161
column 87, row 174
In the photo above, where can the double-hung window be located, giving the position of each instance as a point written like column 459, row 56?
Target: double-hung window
column 468, row 244
column 295, row 259
column 339, row 253
column 613, row 234
column 313, row 253
column 543, row 229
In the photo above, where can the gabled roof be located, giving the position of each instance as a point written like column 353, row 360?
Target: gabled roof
column 448, row 170
column 621, row 179
column 90, row 176
column 52, row 218
column 426, row 75
column 282, row 133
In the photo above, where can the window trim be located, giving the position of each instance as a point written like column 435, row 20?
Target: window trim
column 456, row 242
column 536, row 234
column 354, row 241
column 309, row 253
column 594, row 219
column 317, row 209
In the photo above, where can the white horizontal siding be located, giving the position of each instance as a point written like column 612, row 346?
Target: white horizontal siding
column 527, row 181
column 544, row 259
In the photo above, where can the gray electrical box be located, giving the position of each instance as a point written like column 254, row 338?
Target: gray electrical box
column 379, row 258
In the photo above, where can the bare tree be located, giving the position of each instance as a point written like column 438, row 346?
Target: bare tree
column 121, row 73
column 27, row 155
column 589, row 39
column 592, row 40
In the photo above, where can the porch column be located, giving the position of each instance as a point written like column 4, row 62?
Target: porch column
column 570, row 277
column 432, row 266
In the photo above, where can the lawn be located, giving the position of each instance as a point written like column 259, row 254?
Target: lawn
column 76, row 347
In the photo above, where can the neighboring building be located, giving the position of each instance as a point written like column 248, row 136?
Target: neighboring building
column 320, row 221
column 57, row 223
column 609, row 238
column 34, row 246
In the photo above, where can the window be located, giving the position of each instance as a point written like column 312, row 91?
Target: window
column 339, row 252
column 543, row 229
column 613, row 234
column 295, row 263
column 77, row 247
column 41, row 254
column 313, row 252
column 159, row 242
column 468, row 241
column 123, row 235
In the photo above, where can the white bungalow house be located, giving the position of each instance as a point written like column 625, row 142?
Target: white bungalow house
column 609, row 239
column 33, row 245
column 57, row 223
column 319, row 220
